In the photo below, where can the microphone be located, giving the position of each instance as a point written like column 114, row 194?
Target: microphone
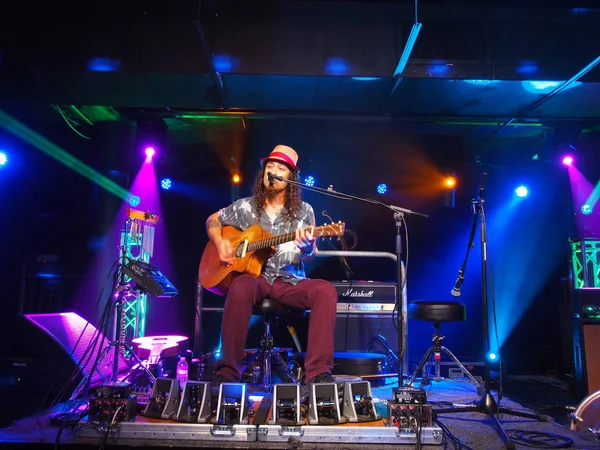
column 482, row 184
column 456, row 289
column 271, row 178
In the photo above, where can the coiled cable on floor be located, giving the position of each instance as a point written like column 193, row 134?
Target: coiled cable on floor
column 538, row 439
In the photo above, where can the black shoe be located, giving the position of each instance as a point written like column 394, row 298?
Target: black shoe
column 323, row 377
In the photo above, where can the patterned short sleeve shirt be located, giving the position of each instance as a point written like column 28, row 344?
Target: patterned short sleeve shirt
column 285, row 263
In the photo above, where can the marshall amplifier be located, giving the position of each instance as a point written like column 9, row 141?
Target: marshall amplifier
column 364, row 311
column 358, row 297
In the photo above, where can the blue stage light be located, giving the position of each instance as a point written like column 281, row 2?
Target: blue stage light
column 103, row 64
column 165, row 184
column 226, row 63
column 309, row 180
column 134, row 200
column 492, row 356
column 3, row 158
column 521, row 191
column 587, row 209
column 382, row 188
column 337, row 66
column 527, row 67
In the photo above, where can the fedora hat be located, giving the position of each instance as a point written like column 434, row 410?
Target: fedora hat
column 285, row 154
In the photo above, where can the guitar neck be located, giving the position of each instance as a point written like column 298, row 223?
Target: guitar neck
column 325, row 230
column 270, row 242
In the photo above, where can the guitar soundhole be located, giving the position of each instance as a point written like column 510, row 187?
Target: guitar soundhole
column 239, row 251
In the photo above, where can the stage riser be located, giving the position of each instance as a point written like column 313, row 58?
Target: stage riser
column 176, row 431
column 349, row 434
column 268, row 433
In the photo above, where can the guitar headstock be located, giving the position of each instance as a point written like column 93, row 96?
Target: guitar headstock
column 332, row 229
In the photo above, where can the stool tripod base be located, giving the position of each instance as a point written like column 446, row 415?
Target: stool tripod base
column 268, row 357
column 267, row 354
column 436, row 350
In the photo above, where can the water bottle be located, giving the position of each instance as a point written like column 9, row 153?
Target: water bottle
column 182, row 371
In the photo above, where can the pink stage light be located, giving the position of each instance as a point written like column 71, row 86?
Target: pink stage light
column 568, row 160
column 150, row 152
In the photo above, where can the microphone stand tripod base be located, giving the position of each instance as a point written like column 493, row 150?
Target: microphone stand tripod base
column 487, row 405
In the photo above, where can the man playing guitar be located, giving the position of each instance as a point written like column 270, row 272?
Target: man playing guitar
column 278, row 208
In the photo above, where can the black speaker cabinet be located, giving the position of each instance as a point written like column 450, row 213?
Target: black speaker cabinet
column 359, row 332
column 50, row 347
column 586, row 339
column 586, row 349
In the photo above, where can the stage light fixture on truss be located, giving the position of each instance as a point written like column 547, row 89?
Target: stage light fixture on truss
column 450, row 182
column 133, row 280
column 134, row 200
column 166, row 183
column 568, row 160
column 139, row 277
column 522, row 191
column 150, row 153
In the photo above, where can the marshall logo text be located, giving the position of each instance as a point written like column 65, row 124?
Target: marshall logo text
column 355, row 293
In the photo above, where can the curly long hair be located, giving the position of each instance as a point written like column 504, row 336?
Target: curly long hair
column 293, row 196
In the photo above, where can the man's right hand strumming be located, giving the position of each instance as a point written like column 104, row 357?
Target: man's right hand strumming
column 224, row 248
column 225, row 251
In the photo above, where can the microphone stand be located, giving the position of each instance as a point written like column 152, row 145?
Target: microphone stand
column 461, row 272
column 487, row 404
column 400, row 279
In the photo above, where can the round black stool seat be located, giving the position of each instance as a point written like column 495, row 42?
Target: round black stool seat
column 270, row 307
column 437, row 311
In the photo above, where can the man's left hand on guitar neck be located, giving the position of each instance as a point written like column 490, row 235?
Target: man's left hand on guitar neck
column 306, row 242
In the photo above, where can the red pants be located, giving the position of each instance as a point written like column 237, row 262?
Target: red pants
column 317, row 295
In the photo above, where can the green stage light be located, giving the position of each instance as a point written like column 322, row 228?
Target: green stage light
column 41, row 143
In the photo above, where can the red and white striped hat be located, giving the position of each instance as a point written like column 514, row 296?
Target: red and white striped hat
column 285, row 154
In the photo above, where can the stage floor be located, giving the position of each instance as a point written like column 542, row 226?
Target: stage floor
column 473, row 429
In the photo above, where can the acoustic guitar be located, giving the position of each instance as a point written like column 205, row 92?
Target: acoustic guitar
column 252, row 247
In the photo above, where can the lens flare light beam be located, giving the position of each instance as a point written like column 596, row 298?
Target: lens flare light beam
column 41, row 143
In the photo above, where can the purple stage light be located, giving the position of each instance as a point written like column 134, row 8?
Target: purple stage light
column 567, row 160
column 150, row 152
